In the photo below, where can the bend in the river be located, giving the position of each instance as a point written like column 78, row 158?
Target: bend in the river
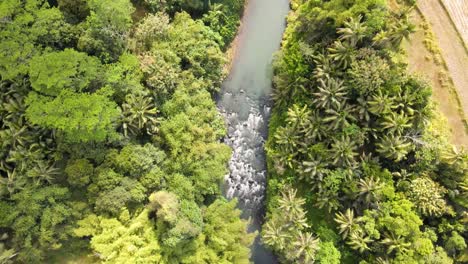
column 244, row 101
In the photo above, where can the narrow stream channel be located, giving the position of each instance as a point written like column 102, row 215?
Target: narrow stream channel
column 244, row 102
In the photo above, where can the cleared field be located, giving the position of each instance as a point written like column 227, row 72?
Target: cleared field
column 458, row 11
column 421, row 63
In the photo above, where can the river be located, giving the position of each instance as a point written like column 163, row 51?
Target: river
column 244, row 102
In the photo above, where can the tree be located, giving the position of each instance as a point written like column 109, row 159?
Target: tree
column 343, row 151
column 106, row 28
column 225, row 238
column 41, row 221
column 428, row 196
column 331, row 92
column 81, row 116
column 123, row 239
column 393, row 147
column 152, row 28
column 354, row 31
column 53, row 72
column 43, row 172
column 139, row 112
column 347, row 222
column 79, row 172
column 343, row 53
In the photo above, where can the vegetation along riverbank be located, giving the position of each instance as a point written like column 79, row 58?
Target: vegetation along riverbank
column 360, row 168
column 109, row 134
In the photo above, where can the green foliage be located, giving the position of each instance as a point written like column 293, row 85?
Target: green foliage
column 106, row 28
column 79, row 172
column 356, row 135
column 123, row 239
column 54, row 72
column 99, row 109
column 81, row 116
column 286, row 231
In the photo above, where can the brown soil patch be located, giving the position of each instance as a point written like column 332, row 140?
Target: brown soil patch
column 421, row 62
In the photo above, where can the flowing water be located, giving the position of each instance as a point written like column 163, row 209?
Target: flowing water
column 244, row 101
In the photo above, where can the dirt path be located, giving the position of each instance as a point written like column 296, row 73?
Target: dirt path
column 451, row 46
column 421, row 63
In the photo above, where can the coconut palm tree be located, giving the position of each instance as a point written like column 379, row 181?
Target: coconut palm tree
column 396, row 123
column 289, row 203
column 353, row 32
column 363, row 110
column 288, row 138
column 12, row 183
column 394, row 147
column 347, row 222
column 139, row 112
column 312, row 169
column 331, row 92
column 340, row 116
column 395, row 243
column 359, row 241
column 15, row 135
column 324, row 67
column 316, row 128
column 298, row 116
column 381, row 104
column 343, row 151
column 43, row 172
column 382, row 39
column 401, row 30
column 368, row 189
column 274, row 235
column 305, row 247
column 342, row 53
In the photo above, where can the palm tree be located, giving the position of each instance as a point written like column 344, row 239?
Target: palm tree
column 382, row 39
column 316, row 128
column 346, row 222
column 331, row 92
column 324, row 68
column 305, row 247
column 395, row 243
column 394, row 147
column 43, row 172
column 290, row 203
column 340, row 116
column 401, row 30
column 298, row 116
column 13, row 108
column 368, row 189
column 11, row 183
column 275, row 235
column 24, row 158
column 359, row 241
column 396, row 123
column 15, row 136
column 343, row 53
column 139, row 111
column 381, row 104
column 363, row 109
column 455, row 155
column 343, row 152
column 353, row 32
column 288, row 138
column 312, row 169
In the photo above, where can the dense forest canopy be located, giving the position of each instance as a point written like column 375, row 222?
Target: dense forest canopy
column 360, row 167
column 109, row 134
